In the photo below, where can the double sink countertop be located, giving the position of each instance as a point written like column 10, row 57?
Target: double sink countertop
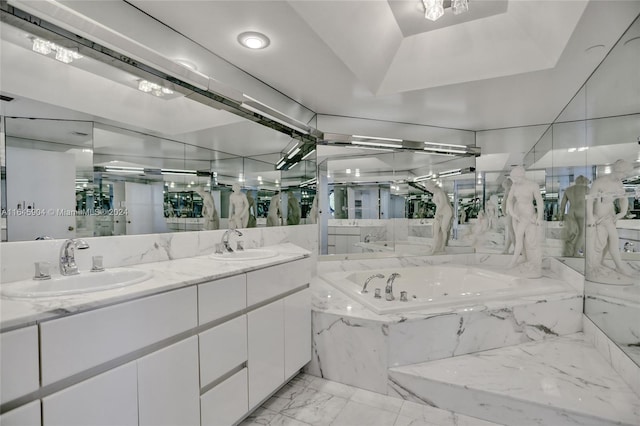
column 165, row 275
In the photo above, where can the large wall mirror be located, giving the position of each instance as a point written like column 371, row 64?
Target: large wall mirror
column 86, row 152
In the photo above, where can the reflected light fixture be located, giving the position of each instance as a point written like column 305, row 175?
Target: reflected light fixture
column 63, row 54
column 434, row 9
column 153, row 88
column 253, row 40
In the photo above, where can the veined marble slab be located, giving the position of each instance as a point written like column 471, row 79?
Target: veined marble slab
column 561, row 381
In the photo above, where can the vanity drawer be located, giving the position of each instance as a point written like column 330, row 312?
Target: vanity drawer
column 76, row 343
column 19, row 363
column 226, row 403
column 221, row 297
column 222, row 348
column 269, row 282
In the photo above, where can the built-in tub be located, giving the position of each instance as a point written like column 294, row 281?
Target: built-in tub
column 442, row 286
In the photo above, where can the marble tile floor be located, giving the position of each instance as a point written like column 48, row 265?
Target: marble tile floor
column 309, row 400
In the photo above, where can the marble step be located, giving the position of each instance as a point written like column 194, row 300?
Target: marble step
column 560, row 381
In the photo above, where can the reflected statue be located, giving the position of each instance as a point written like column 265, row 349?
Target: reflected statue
column 209, row 211
column 484, row 230
column 252, row 222
column 293, row 209
column 274, row 216
column 313, row 213
column 573, row 221
column 238, row 208
column 443, row 218
column 509, row 233
column 602, row 235
column 491, row 213
column 526, row 223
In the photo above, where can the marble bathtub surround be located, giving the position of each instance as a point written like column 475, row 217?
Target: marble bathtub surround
column 342, row 327
column 526, row 223
column 602, row 235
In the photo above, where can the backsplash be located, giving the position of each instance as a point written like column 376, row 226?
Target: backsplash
column 17, row 258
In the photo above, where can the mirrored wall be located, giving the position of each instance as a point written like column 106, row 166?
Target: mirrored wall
column 87, row 152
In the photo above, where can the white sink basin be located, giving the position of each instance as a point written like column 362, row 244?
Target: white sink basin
column 85, row 282
column 250, row 254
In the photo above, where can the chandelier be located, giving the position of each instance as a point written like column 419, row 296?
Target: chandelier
column 434, row 9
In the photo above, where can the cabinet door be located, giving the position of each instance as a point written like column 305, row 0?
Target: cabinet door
column 266, row 351
column 297, row 331
column 19, row 363
column 27, row 415
column 169, row 385
column 107, row 399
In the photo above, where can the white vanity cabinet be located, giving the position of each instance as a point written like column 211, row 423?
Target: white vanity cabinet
column 110, row 398
column 279, row 332
column 169, row 386
column 19, row 363
column 26, row 415
column 204, row 354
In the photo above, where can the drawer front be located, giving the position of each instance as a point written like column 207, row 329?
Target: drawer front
column 222, row 348
column 275, row 280
column 76, row 343
column 19, row 367
column 221, row 297
column 226, row 403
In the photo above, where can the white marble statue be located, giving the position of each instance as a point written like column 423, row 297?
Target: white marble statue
column 443, row 217
column 491, row 213
column 313, row 213
column 253, row 221
column 274, row 216
column 293, row 209
column 509, row 234
column 238, row 208
column 527, row 220
column 209, row 211
column 602, row 235
column 573, row 220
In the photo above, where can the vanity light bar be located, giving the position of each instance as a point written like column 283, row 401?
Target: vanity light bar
column 445, row 151
column 451, row 173
column 377, row 138
column 293, row 154
column 377, row 144
column 424, row 177
column 281, row 163
column 308, row 182
column 308, row 154
column 446, row 144
column 258, row 107
column 179, row 172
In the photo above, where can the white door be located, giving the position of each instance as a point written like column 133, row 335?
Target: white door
column 144, row 208
column 41, row 195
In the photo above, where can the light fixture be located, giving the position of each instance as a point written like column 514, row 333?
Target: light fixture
column 434, row 9
column 178, row 172
column 266, row 111
column 572, row 149
column 424, row 177
column 378, row 144
column 253, row 40
column 153, row 88
column 308, row 154
column 357, row 172
column 348, row 171
column 63, row 54
column 583, row 148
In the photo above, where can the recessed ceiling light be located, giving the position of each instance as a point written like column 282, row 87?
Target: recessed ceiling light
column 253, row 40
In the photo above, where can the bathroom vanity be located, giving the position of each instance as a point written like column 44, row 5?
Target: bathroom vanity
column 203, row 341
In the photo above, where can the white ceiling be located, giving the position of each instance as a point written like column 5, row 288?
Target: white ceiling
column 351, row 58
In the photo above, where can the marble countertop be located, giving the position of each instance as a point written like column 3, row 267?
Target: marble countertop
column 165, row 275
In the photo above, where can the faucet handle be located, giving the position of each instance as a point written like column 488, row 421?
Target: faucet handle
column 42, row 271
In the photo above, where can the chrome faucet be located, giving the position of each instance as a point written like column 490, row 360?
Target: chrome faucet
column 67, row 256
column 364, row 287
column 388, row 290
column 225, row 238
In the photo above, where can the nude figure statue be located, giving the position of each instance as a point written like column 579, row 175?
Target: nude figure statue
column 602, row 235
column 443, row 217
column 238, row 208
column 573, row 221
column 527, row 219
column 313, row 213
column 509, row 235
column 293, row 209
column 274, row 216
column 209, row 211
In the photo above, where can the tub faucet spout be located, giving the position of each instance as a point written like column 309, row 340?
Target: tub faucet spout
column 388, row 290
column 364, row 287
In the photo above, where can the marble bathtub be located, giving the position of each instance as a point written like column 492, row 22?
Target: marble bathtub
column 354, row 345
column 436, row 286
